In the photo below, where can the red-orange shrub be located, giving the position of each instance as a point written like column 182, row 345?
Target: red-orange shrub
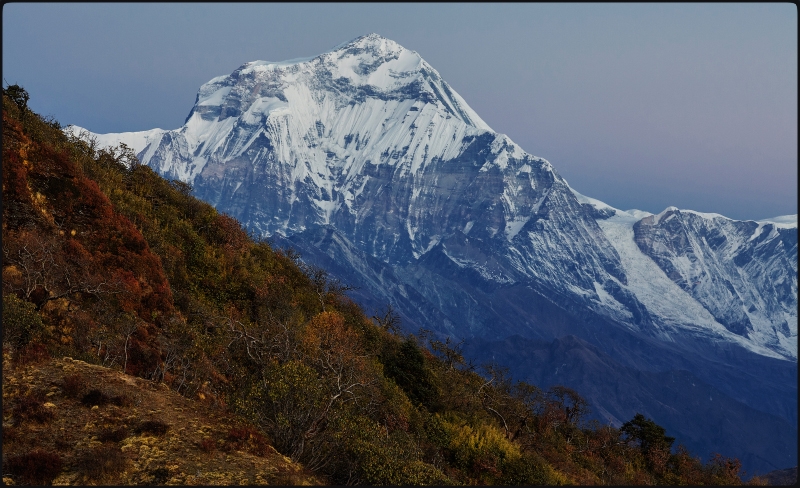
column 37, row 467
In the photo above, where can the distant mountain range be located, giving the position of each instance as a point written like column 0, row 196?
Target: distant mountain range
column 366, row 161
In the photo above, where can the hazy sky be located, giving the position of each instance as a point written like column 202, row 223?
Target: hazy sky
column 639, row 105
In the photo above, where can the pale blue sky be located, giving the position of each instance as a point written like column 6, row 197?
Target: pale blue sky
column 639, row 105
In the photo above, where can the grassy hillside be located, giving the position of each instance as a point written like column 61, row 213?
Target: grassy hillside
column 106, row 262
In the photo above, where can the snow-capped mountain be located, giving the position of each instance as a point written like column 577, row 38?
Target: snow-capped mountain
column 370, row 140
column 365, row 160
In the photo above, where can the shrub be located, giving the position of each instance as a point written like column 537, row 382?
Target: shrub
column 121, row 400
column 249, row 439
column 100, row 463
column 31, row 407
column 97, row 397
column 155, row 427
column 480, row 447
column 113, row 435
column 37, row 467
column 31, row 353
column 407, row 367
column 74, row 385
column 21, row 322
column 160, row 476
column 366, row 455
column 723, row 470
column 208, row 444
column 530, row 469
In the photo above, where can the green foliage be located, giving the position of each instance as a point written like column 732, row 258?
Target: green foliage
column 407, row 366
column 378, row 457
column 21, row 322
column 530, row 469
column 645, row 433
column 295, row 400
column 480, row 450
column 18, row 95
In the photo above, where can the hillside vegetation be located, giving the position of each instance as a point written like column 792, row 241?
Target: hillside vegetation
column 106, row 262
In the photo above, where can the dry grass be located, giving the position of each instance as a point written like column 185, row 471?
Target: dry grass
column 105, row 427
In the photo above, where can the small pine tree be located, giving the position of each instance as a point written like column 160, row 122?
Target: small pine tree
column 646, row 433
column 18, row 95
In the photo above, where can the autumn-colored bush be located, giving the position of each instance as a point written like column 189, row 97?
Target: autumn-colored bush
column 155, row 427
column 32, row 407
column 247, row 439
column 74, row 260
column 113, row 435
column 723, row 470
column 37, row 467
column 208, row 444
column 100, row 463
column 74, row 385
column 32, row 353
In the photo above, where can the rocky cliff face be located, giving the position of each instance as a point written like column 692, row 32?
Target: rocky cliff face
column 365, row 160
column 743, row 273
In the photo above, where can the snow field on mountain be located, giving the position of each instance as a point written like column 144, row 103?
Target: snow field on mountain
column 134, row 140
column 659, row 294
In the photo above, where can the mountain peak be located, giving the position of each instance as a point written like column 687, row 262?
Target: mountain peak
column 373, row 42
column 369, row 67
column 367, row 45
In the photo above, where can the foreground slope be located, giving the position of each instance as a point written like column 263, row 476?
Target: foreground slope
column 131, row 432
